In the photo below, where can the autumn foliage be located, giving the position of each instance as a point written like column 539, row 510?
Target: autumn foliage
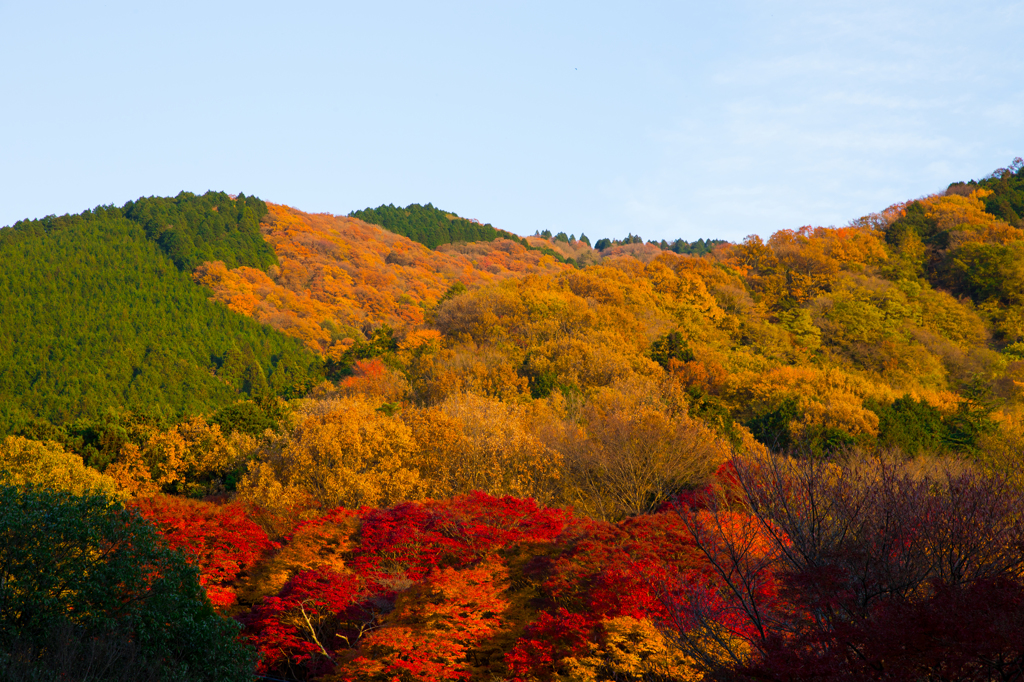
column 792, row 458
column 776, row 569
column 338, row 273
column 219, row 540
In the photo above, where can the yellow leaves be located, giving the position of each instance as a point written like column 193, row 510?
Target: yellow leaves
column 633, row 454
column 470, row 442
column 951, row 318
column 633, row 649
column 188, row 451
column 603, row 285
column 342, row 453
column 467, row 368
column 597, row 359
column 492, row 314
column 683, row 285
column 827, row 397
column 29, row 462
column 1002, row 450
column 262, row 487
column 967, row 219
column 131, row 473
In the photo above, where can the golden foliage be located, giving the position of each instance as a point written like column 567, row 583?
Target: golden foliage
column 828, row 397
column 632, row 453
column 633, row 649
column 177, row 459
column 470, row 442
column 342, row 453
column 338, row 273
column 47, row 464
column 966, row 218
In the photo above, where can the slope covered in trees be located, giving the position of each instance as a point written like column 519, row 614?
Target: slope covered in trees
column 430, row 226
column 796, row 458
column 95, row 316
column 194, row 229
column 434, row 227
column 776, row 569
column 898, row 329
column 337, row 274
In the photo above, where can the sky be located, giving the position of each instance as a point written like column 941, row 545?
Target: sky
column 666, row 120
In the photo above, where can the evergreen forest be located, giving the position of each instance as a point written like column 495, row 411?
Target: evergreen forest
column 428, row 225
column 433, row 227
column 96, row 315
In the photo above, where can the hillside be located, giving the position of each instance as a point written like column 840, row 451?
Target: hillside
column 822, row 336
column 96, row 316
column 796, row 458
column 430, row 226
column 338, row 274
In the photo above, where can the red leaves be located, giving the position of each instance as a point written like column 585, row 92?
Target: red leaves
column 553, row 638
column 618, row 569
column 405, row 542
column 426, row 590
column 218, row 539
column 316, row 610
column 437, row 625
column 421, row 590
column 479, row 588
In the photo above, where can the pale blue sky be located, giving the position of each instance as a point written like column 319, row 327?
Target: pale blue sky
column 661, row 119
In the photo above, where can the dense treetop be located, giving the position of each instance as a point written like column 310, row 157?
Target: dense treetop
column 194, row 229
column 337, row 274
column 95, row 316
column 433, row 227
column 430, row 226
column 1007, row 187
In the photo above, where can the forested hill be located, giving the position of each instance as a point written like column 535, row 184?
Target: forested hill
column 434, row 227
column 213, row 227
column 95, row 314
column 430, row 226
column 503, row 453
column 1007, row 186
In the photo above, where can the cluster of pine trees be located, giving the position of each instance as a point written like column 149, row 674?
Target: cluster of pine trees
column 98, row 315
column 428, row 225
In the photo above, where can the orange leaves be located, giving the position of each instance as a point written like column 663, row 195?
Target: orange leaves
column 806, row 262
column 685, row 286
column 437, row 625
column 374, row 378
column 966, row 217
column 338, row 273
column 419, row 339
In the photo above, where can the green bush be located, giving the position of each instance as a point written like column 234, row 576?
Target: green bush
column 84, row 569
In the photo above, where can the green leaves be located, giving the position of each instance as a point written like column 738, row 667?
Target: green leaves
column 95, row 316
column 87, row 563
column 196, row 229
column 428, row 225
